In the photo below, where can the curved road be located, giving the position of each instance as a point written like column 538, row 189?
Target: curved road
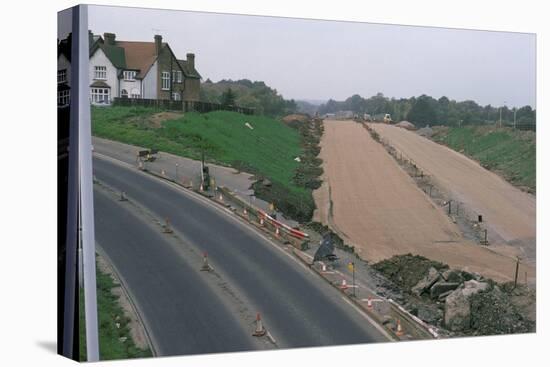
column 298, row 308
column 161, row 282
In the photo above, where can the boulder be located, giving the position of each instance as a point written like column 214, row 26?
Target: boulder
column 457, row 305
column 441, row 287
column 426, row 283
column 453, row 276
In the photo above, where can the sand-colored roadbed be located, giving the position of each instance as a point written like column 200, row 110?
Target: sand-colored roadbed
column 377, row 207
column 508, row 212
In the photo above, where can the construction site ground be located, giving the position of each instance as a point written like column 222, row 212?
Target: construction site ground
column 377, row 207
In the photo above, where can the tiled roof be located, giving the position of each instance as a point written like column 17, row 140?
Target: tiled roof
column 139, row 55
column 116, row 54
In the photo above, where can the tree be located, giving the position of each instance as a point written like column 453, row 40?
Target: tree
column 228, row 98
column 422, row 112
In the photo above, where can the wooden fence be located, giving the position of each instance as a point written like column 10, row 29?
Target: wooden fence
column 185, row 106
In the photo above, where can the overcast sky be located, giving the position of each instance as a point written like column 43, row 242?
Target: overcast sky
column 313, row 59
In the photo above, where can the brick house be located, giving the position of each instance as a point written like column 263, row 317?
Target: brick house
column 129, row 69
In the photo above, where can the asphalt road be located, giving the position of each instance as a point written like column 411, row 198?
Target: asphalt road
column 180, row 309
column 299, row 309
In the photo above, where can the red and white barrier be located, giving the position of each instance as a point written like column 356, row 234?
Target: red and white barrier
column 288, row 229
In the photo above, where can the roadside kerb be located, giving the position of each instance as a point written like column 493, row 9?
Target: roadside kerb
column 385, row 312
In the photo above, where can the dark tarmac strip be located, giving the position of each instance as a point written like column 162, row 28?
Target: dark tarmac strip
column 298, row 307
column 182, row 313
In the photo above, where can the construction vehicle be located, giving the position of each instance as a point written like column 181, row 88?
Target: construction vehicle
column 387, row 118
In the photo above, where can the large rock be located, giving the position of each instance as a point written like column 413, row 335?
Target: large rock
column 426, row 283
column 441, row 287
column 453, row 276
column 457, row 305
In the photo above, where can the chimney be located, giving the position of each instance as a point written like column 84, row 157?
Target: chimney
column 109, row 38
column 158, row 43
column 191, row 61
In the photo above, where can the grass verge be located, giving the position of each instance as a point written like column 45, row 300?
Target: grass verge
column 114, row 342
column 509, row 152
column 263, row 146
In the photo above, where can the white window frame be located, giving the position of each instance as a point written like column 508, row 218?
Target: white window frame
column 135, row 94
column 100, row 72
column 98, row 94
column 129, row 75
column 177, row 76
column 176, row 96
column 61, row 76
column 63, row 97
column 165, row 80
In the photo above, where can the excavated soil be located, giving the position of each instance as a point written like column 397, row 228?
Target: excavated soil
column 377, row 207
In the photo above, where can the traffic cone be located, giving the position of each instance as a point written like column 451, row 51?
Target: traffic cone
column 260, row 330
column 261, row 221
column 344, row 285
column 205, row 264
column 369, row 303
column 123, row 196
column 277, row 232
column 323, row 268
column 163, row 173
column 201, row 188
column 221, row 197
column 245, row 212
column 167, row 227
column 399, row 331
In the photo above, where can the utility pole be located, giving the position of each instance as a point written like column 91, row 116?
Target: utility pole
column 515, row 111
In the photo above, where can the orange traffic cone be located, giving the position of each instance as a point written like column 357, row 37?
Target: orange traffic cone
column 323, row 268
column 205, row 265
column 369, row 303
column 201, row 188
column 245, row 212
column 167, row 227
column 221, row 197
column 260, row 330
column 261, row 221
column 399, row 331
column 344, row 285
column 123, row 196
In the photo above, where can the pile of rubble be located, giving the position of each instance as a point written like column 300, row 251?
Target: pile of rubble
column 462, row 303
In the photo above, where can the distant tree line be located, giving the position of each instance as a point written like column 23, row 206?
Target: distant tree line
column 426, row 110
column 245, row 93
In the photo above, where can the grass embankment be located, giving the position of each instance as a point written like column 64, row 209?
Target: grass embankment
column 110, row 313
column 509, row 152
column 268, row 150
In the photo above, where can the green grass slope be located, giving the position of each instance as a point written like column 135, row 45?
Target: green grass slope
column 268, row 150
column 509, row 152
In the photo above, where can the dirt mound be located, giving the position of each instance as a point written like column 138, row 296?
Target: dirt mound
column 295, row 118
column 493, row 312
column 406, row 125
column 155, row 121
column 407, row 270
column 496, row 308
